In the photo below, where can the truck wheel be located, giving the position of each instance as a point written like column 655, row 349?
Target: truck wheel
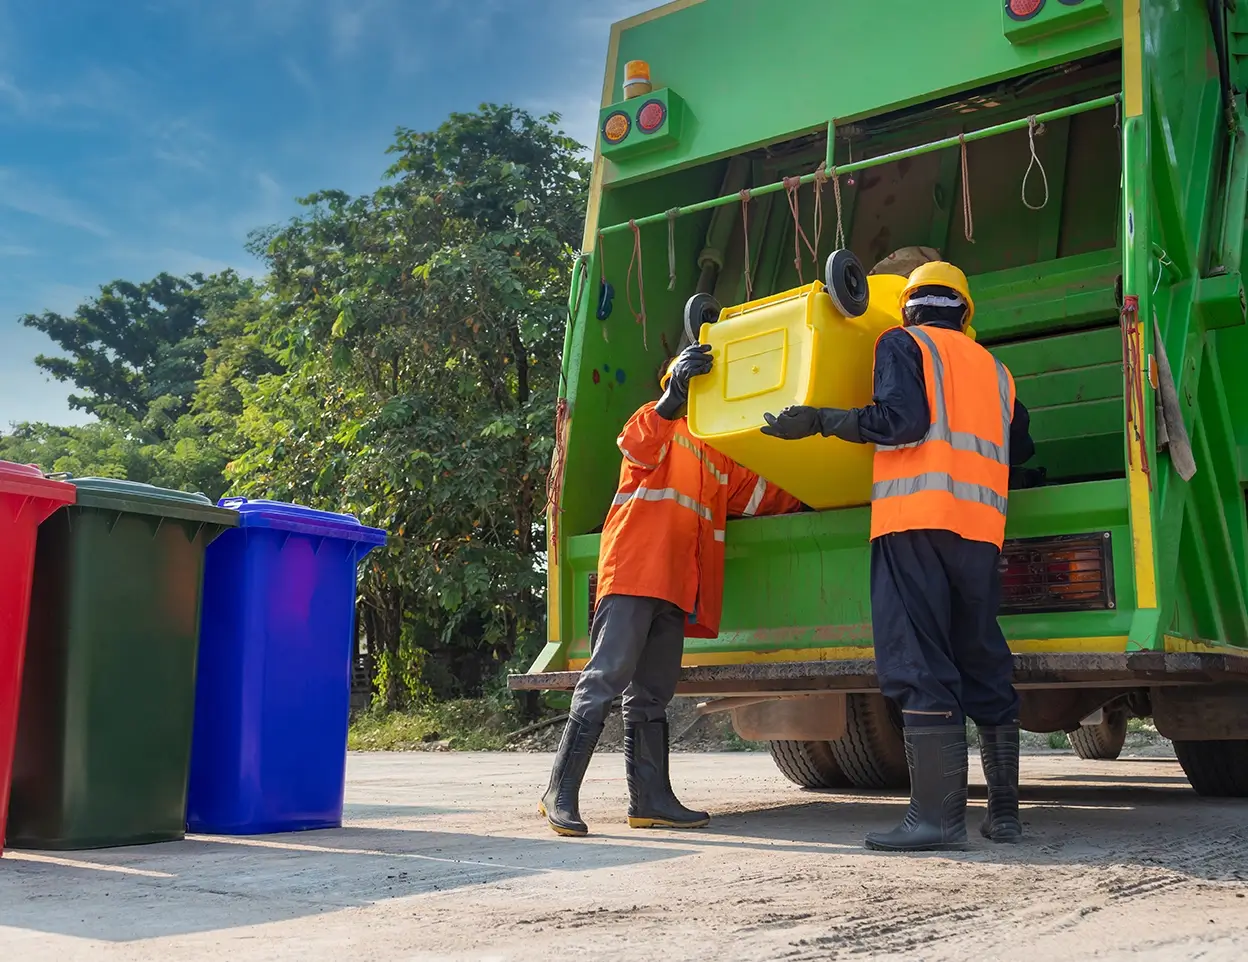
column 1218, row 769
column 872, row 752
column 809, row 764
column 1103, row 741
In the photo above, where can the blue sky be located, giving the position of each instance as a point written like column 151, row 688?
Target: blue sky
column 145, row 135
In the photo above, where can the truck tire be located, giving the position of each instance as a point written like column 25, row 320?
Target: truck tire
column 872, row 752
column 1216, row 769
column 1103, row 741
column 809, row 764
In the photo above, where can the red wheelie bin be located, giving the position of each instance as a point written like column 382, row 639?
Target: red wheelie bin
column 26, row 499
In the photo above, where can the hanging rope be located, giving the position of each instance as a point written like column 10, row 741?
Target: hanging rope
column 602, row 258
column 745, row 227
column 840, row 213
column 639, row 312
column 1034, row 128
column 792, row 189
column 968, row 220
column 821, row 178
column 671, row 247
column 1132, row 362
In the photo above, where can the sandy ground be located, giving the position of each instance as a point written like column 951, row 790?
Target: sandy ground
column 443, row 857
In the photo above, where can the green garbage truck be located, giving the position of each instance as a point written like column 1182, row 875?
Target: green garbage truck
column 1086, row 163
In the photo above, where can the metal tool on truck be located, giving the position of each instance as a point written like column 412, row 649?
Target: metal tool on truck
column 1086, row 163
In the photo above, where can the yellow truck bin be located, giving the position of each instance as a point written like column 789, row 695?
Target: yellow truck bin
column 793, row 348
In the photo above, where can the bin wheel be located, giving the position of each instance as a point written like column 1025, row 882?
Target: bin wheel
column 872, row 752
column 1103, row 741
column 1216, row 769
column 846, row 281
column 699, row 309
column 809, row 764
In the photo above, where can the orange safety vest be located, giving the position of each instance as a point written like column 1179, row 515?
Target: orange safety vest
column 664, row 534
column 956, row 478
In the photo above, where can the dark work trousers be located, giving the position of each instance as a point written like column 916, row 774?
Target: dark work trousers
column 939, row 652
column 637, row 645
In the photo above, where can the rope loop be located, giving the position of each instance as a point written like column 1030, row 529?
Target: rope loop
column 639, row 312
column 745, row 227
column 792, row 189
column 840, row 211
column 1034, row 128
column 821, row 178
column 968, row 219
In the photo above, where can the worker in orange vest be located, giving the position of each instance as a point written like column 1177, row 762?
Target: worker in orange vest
column 946, row 427
column 660, row 578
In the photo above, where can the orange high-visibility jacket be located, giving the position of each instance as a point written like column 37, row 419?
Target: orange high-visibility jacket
column 956, row 478
column 664, row 534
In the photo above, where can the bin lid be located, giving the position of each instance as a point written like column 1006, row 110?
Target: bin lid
column 280, row 516
column 138, row 497
column 28, row 481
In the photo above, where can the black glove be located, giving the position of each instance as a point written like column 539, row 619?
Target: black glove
column 799, row 421
column 693, row 361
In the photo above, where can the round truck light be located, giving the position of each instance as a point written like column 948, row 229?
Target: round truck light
column 615, row 128
column 1023, row 9
column 651, row 116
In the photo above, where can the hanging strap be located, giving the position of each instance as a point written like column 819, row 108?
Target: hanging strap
column 639, row 311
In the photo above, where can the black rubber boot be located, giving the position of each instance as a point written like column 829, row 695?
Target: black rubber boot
column 936, row 820
column 651, row 801
column 561, row 803
column 998, row 750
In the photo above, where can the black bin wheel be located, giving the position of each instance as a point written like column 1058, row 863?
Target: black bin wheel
column 846, row 281
column 699, row 309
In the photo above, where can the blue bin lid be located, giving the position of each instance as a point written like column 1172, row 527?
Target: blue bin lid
column 280, row 516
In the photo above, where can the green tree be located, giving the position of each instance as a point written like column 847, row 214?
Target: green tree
column 420, row 330
column 135, row 352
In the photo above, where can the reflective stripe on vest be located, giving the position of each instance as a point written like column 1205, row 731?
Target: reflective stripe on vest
column 756, row 499
column 664, row 494
column 688, row 445
column 938, row 481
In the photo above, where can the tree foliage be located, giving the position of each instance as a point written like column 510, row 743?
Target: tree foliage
column 398, row 362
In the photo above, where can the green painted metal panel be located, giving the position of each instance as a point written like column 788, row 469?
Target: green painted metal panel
column 750, row 75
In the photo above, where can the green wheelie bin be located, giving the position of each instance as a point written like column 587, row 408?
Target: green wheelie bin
column 107, row 707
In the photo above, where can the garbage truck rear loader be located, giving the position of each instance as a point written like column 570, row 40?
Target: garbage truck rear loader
column 1086, row 163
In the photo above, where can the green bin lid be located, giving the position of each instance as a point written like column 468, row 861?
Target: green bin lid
column 136, row 497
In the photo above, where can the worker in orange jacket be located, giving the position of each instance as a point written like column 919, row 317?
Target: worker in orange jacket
column 660, row 577
column 946, row 427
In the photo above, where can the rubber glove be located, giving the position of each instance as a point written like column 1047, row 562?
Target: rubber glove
column 693, row 361
column 798, row 421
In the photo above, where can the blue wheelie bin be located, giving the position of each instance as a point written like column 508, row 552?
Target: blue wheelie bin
column 274, row 683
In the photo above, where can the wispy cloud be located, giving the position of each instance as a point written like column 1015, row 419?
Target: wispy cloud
column 27, row 196
column 17, row 250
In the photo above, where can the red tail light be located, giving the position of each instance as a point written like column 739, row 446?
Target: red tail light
column 1068, row 573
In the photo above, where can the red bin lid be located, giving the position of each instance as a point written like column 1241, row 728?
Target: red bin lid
column 28, row 481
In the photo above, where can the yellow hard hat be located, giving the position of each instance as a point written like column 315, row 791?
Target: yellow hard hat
column 940, row 274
